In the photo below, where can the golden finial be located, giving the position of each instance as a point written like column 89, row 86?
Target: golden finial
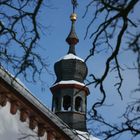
column 73, row 17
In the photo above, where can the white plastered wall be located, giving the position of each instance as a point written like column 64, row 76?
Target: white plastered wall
column 11, row 128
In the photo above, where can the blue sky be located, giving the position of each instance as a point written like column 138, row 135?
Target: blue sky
column 53, row 45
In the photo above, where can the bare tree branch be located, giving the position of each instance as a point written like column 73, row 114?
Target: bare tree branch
column 20, row 27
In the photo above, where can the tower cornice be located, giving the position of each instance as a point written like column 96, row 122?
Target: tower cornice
column 71, row 86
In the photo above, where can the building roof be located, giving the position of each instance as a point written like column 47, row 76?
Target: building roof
column 6, row 79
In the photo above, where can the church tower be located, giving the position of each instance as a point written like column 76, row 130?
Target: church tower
column 69, row 91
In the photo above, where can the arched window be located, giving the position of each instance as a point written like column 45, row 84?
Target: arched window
column 56, row 104
column 78, row 104
column 67, row 103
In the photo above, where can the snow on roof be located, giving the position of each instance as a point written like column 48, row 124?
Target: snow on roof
column 71, row 56
column 86, row 136
column 69, row 82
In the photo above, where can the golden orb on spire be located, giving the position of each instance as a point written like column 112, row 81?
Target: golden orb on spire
column 73, row 17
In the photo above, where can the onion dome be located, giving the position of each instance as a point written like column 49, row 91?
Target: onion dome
column 70, row 69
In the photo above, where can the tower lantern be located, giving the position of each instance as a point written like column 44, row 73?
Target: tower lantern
column 69, row 91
